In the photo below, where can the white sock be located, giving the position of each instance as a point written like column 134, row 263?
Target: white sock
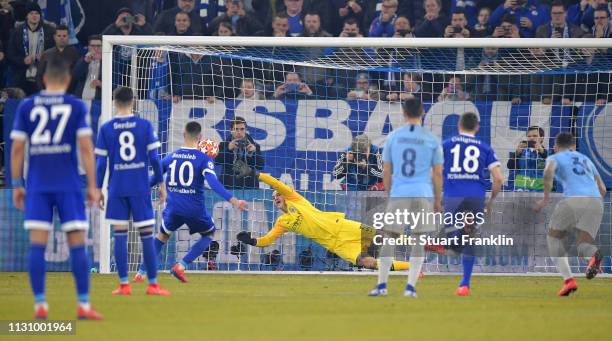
column 85, row 306
column 415, row 269
column 563, row 266
column 384, row 266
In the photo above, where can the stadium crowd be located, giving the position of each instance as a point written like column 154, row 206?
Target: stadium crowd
column 72, row 30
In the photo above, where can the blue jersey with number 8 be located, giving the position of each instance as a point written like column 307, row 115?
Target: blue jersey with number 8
column 576, row 173
column 127, row 142
column 412, row 150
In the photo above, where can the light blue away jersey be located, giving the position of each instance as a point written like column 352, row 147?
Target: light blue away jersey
column 576, row 173
column 412, row 150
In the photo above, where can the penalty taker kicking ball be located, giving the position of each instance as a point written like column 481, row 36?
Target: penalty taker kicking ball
column 209, row 147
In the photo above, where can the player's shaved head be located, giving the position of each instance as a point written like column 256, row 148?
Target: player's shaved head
column 469, row 121
column 57, row 71
column 123, row 96
column 413, row 108
column 565, row 140
column 193, row 130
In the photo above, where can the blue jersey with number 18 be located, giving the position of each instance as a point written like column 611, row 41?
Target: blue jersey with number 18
column 51, row 123
column 412, row 150
column 576, row 173
column 127, row 142
column 467, row 160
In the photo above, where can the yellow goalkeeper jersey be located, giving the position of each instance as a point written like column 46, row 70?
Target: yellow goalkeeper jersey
column 329, row 229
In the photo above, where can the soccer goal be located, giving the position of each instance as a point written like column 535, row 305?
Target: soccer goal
column 318, row 111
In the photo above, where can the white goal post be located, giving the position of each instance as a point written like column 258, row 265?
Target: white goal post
column 357, row 59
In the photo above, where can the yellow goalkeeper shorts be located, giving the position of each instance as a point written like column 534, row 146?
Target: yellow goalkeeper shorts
column 354, row 240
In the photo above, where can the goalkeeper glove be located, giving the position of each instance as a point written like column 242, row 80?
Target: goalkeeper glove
column 242, row 170
column 245, row 237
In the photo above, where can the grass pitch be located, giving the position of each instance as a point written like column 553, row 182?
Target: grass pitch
column 283, row 307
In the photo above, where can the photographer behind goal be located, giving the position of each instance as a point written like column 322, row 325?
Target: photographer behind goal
column 360, row 166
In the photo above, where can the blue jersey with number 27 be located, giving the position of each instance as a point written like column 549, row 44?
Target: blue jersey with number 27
column 412, row 150
column 576, row 173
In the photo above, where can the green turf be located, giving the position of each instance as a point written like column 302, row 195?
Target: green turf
column 262, row 307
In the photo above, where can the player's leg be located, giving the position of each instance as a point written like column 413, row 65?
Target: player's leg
column 143, row 219
column 417, row 251
column 71, row 209
column 588, row 225
column 561, row 221
column 384, row 264
column 169, row 224
column 206, row 228
column 118, row 215
column 38, row 220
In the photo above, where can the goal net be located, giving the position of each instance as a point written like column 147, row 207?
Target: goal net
column 311, row 105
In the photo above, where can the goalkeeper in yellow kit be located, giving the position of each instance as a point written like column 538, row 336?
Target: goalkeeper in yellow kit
column 346, row 238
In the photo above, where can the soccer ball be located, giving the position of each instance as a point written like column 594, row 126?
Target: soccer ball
column 209, row 147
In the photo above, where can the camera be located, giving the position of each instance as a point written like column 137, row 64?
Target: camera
column 351, row 34
column 292, row 87
column 129, row 19
column 457, row 29
column 559, row 30
column 403, row 33
column 242, row 143
column 531, row 144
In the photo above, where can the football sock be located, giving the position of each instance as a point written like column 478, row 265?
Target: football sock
column 468, row 264
column 384, row 266
column 158, row 247
column 415, row 268
column 563, row 266
column 399, row 265
column 586, row 250
column 37, row 269
column 149, row 255
column 121, row 255
column 196, row 250
column 80, row 272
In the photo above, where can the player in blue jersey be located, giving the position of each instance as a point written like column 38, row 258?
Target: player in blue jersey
column 129, row 144
column 412, row 173
column 581, row 208
column 186, row 170
column 467, row 162
column 54, row 123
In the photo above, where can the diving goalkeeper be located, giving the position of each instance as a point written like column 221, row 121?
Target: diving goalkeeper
column 348, row 239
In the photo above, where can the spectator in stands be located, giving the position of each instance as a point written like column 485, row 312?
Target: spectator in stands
column 69, row 54
column 458, row 27
column 583, row 12
column 182, row 25
column 601, row 26
column 361, row 166
column 364, row 89
column 384, row 24
column 351, row 9
column 434, row 23
column 558, row 26
column 240, row 146
column 402, row 28
column 329, row 88
column 410, row 87
column 312, row 26
column 482, row 28
column 126, row 23
column 293, row 87
column 248, row 91
column 224, row 29
column 166, row 20
column 26, row 45
column 453, row 91
column 7, row 22
column 507, row 28
column 295, row 12
column 86, row 80
column 351, row 29
column 243, row 23
column 470, row 8
column 528, row 161
column 598, row 86
column 528, row 15
column 279, row 26
column 413, row 10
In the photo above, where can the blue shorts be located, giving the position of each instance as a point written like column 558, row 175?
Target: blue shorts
column 203, row 224
column 70, row 207
column 456, row 205
column 140, row 208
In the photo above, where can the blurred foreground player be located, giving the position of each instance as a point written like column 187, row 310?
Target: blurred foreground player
column 346, row 238
column 186, row 170
column 467, row 160
column 54, row 123
column 581, row 208
column 130, row 146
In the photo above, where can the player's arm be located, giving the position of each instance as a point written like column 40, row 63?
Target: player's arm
column 243, row 170
column 601, row 185
column 436, row 178
column 17, row 157
column 387, row 173
column 86, row 149
column 267, row 240
column 549, row 172
column 101, row 158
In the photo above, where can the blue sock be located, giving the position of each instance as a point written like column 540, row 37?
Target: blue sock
column 196, row 250
column 468, row 264
column 149, row 255
column 37, row 270
column 158, row 247
column 121, row 255
column 80, row 270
